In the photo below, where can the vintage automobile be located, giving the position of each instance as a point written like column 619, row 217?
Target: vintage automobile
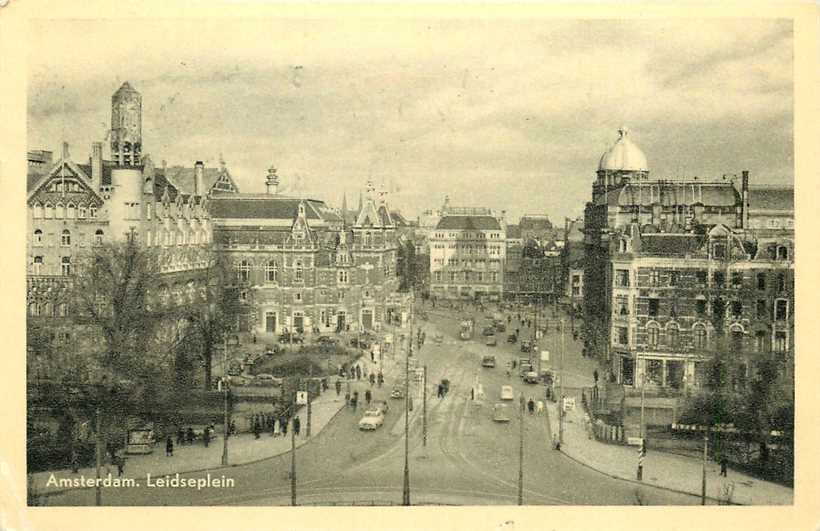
column 500, row 326
column 526, row 346
column 488, row 331
column 507, row 392
column 327, row 340
column 501, row 413
column 372, row 420
column 512, row 338
column 531, row 377
column 488, row 361
column 267, row 380
column 398, row 391
column 491, row 341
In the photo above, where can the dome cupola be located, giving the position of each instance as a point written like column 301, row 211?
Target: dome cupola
column 624, row 155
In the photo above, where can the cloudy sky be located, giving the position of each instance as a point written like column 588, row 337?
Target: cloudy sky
column 511, row 114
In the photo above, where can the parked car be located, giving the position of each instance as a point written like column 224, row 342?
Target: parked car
column 381, row 405
column 512, row 338
column 507, row 392
column 398, row 391
column 491, row 341
column 289, row 337
column 267, row 380
column 372, row 420
column 488, row 361
column 327, row 340
column 272, row 350
column 239, row 380
column 501, row 413
column 362, row 343
column 526, row 346
column 500, row 327
column 531, row 377
column 488, row 331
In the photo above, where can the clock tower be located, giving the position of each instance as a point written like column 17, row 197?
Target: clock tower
column 126, row 126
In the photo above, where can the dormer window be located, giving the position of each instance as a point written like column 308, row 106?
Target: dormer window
column 719, row 251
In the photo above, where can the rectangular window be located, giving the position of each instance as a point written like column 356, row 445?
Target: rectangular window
column 654, row 277
column 780, row 342
column 623, row 335
column 719, row 278
column 760, row 341
column 654, row 372
column 622, row 278
column 622, row 305
column 781, row 310
column 700, row 308
column 674, row 278
column 654, row 304
column 761, row 309
column 719, row 251
column 438, row 276
column 761, row 281
column 737, row 279
column 702, row 276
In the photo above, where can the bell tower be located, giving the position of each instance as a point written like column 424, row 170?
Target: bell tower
column 126, row 126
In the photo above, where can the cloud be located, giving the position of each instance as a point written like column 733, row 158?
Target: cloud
column 511, row 113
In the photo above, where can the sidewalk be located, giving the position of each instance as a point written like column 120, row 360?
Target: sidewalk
column 673, row 472
column 243, row 448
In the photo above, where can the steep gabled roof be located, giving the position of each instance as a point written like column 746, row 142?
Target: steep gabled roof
column 183, row 177
column 263, row 206
column 468, row 223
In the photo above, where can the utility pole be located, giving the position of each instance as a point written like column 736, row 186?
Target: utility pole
column 98, row 490
column 643, row 425
column 561, row 391
column 424, row 409
column 225, row 401
column 309, row 400
column 406, row 489
column 703, row 478
column 293, row 454
column 521, row 450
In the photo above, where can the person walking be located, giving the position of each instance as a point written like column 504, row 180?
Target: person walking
column 531, row 406
column 724, row 464
column 206, row 436
column 276, row 427
column 180, row 436
column 169, row 447
column 595, row 377
column 232, row 428
column 355, row 400
column 372, row 379
column 120, row 464
column 347, row 398
column 297, row 424
column 190, row 435
column 368, row 396
column 358, row 372
column 256, row 428
column 380, row 378
column 283, row 424
column 338, row 387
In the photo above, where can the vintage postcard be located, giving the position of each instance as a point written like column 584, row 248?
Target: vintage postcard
column 292, row 260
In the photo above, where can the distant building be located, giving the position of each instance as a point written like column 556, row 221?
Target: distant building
column 467, row 255
column 572, row 263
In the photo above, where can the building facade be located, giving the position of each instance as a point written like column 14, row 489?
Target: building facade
column 467, row 255
column 300, row 267
column 674, row 272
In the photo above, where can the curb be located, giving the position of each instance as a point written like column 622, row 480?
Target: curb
column 634, row 481
column 218, row 467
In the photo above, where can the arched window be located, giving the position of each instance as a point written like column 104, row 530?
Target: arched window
column 299, row 272
column 38, row 237
column 70, row 213
column 65, row 239
column 37, row 265
column 149, row 238
column 59, row 212
column 653, row 334
column 62, row 310
column 782, row 253
column 92, row 212
column 65, row 266
column 81, row 212
column 271, row 271
column 673, row 335
column 761, row 341
column 699, row 332
column 38, row 211
column 244, row 271
column 49, row 211
column 98, row 237
column 34, row 309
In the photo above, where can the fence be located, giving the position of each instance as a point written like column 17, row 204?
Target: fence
column 602, row 431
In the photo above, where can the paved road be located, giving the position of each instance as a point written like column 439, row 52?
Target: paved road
column 469, row 459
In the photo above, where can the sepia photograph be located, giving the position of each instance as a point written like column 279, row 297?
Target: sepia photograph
column 409, row 261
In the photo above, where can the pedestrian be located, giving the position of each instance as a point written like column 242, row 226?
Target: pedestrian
column 283, row 424
column 347, row 398
column 120, row 465
column 472, row 389
column 439, row 391
column 531, row 406
column 75, row 462
column 595, row 377
column 358, row 372
column 254, row 339
column 724, row 463
column 368, row 396
column 206, row 436
column 372, row 356
column 372, row 379
column 232, row 428
column 296, row 425
column 338, row 387
column 513, row 364
column 169, row 447
column 380, row 378
column 180, row 436
column 256, row 428
column 276, row 427
column 190, row 435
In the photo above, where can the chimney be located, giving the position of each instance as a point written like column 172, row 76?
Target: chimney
column 96, row 166
column 272, row 181
column 199, row 178
column 744, row 197
column 65, row 151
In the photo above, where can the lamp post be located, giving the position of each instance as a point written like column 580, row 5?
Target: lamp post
column 642, row 426
column 561, row 391
column 424, row 409
column 521, row 450
column 406, row 487
column 703, row 475
column 225, row 401
column 98, row 455
column 293, row 454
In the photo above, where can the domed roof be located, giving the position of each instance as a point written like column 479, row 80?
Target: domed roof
column 623, row 156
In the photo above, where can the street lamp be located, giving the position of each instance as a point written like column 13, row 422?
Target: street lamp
column 406, row 487
column 225, row 401
column 521, row 450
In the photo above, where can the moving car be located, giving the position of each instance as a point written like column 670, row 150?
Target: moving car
column 372, row 420
column 398, row 391
column 266, row 379
column 531, row 377
column 507, row 392
column 491, row 341
column 501, row 413
column 488, row 361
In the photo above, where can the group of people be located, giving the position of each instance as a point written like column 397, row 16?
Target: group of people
column 274, row 424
